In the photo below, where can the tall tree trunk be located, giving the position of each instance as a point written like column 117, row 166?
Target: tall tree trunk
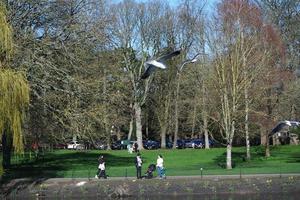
column 105, row 119
column 267, row 151
column 163, row 135
column 147, row 125
column 164, row 121
column 138, row 123
column 204, row 95
column 194, row 118
column 108, row 135
column 205, row 116
column 176, row 112
column 229, row 127
column 262, row 135
column 205, row 132
column 228, row 156
column 247, row 124
column 6, row 150
column 130, row 128
column 229, row 146
column 269, row 112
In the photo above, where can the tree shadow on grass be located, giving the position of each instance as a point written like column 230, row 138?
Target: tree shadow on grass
column 82, row 158
column 53, row 165
column 295, row 158
column 236, row 157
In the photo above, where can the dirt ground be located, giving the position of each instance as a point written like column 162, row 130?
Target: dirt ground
column 207, row 187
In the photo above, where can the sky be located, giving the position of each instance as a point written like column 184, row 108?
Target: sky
column 174, row 3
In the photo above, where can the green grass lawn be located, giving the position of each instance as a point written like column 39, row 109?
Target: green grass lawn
column 69, row 163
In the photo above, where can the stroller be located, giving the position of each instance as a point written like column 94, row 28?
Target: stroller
column 150, row 170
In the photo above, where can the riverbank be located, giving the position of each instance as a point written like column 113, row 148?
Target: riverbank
column 251, row 186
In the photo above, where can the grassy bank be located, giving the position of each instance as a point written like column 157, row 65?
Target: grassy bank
column 68, row 163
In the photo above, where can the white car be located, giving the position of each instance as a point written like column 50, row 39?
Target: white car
column 75, row 145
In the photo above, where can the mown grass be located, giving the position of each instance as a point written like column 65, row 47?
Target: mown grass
column 69, row 163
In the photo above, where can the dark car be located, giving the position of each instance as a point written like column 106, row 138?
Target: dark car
column 180, row 144
column 188, row 143
column 198, row 144
column 117, row 145
column 169, row 144
column 211, row 143
column 151, row 144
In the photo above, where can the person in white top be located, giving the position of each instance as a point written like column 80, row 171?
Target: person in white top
column 138, row 165
column 160, row 166
column 101, row 168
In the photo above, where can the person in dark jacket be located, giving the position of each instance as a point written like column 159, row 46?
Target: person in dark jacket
column 138, row 165
column 136, row 147
column 101, row 168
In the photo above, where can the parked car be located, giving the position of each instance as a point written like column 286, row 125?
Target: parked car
column 151, row 144
column 60, row 146
column 100, row 145
column 197, row 144
column 211, row 143
column 117, row 145
column 169, row 144
column 125, row 143
column 194, row 143
column 188, row 143
column 180, row 144
column 75, row 145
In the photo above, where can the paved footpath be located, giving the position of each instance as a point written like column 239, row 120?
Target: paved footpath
column 207, row 177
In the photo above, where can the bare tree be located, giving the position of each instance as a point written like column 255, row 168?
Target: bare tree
column 239, row 54
column 137, row 33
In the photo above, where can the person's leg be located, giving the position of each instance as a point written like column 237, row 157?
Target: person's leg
column 98, row 173
column 139, row 172
column 101, row 174
column 104, row 174
column 159, row 171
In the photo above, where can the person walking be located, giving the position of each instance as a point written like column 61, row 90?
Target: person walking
column 160, row 167
column 136, row 147
column 101, row 168
column 138, row 165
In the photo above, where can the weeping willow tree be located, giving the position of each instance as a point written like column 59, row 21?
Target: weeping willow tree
column 14, row 95
column 6, row 44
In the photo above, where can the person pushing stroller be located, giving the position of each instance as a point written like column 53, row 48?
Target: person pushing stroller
column 160, row 167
